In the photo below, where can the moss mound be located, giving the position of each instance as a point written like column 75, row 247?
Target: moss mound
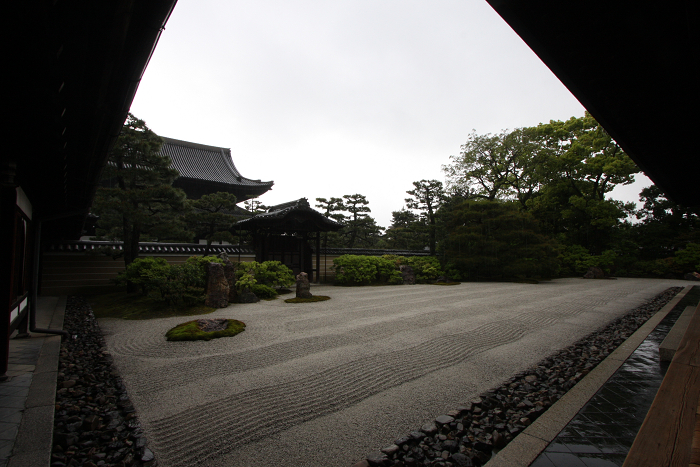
column 192, row 331
column 526, row 281
column 315, row 298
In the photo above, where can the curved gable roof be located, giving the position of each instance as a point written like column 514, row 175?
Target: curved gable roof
column 207, row 169
column 295, row 215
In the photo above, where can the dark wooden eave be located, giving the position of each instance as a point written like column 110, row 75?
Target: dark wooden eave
column 74, row 69
column 635, row 67
column 208, row 169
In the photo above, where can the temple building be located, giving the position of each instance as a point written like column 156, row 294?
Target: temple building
column 284, row 233
column 209, row 169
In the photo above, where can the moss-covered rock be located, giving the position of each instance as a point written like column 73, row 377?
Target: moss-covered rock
column 203, row 329
column 315, row 298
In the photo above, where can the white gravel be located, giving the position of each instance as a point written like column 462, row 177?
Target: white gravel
column 327, row 383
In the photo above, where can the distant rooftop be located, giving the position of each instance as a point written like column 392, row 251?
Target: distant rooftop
column 208, row 169
column 294, row 215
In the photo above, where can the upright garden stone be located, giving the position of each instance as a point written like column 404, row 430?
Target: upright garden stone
column 594, row 273
column 247, row 295
column 303, row 286
column 409, row 277
column 230, row 274
column 217, row 286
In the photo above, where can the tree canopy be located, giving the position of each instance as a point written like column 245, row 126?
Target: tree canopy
column 427, row 197
column 492, row 240
column 212, row 217
column 136, row 200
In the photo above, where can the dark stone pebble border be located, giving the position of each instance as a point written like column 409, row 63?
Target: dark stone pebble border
column 95, row 423
column 469, row 435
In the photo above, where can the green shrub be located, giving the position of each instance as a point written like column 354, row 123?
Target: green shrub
column 263, row 291
column 274, row 274
column 366, row 270
column 245, row 280
column 136, row 272
column 354, row 270
column 426, row 268
column 576, row 260
column 688, row 259
column 171, row 284
column 269, row 273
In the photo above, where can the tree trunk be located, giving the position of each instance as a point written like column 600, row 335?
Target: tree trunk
column 131, row 249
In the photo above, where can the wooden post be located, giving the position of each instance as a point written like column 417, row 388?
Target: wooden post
column 8, row 217
column 317, row 277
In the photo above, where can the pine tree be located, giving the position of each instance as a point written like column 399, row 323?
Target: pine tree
column 136, row 200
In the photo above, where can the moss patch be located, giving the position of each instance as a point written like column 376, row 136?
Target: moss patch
column 315, row 298
column 526, row 281
column 190, row 331
column 136, row 306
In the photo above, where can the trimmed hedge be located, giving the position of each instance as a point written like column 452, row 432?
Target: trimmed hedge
column 368, row 270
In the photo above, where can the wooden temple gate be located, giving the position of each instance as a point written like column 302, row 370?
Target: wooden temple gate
column 284, row 233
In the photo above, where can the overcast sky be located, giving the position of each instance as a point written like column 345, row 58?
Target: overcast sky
column 328, row 98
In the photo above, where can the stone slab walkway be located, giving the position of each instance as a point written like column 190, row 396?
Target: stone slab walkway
column 328, row 383
column 27, row 396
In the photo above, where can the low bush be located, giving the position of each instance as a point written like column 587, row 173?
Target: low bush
column 274, row 274
column 365, row 270
column 263, row 291
column 171, row 284
column 426, row 268
column 688, row 258
column 250, row 275
column 136, row 272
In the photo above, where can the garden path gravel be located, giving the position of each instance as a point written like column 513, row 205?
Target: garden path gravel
column 329, row 383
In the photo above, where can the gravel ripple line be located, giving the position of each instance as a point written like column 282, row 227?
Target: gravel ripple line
column 202, row 367
column 210, row 430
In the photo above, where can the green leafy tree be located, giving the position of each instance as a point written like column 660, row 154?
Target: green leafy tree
column 582, row 165
column 137, row 201
column 426, row 197
column 492, row 240
column 212, row 217
column 665, row 226
column 333, row 209
column 408, row 231
column 504, row 166
column 254, row 206
column 562, row 172
column 360, row 227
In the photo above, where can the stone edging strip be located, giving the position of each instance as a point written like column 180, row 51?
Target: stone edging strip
column 525, row 447
column 673, row 339
column 35, row 435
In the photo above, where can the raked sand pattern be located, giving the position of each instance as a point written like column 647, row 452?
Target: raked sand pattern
column 326, row 383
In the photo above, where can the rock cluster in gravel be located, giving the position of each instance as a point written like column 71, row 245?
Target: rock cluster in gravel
column 95, row 424
column 469, row 435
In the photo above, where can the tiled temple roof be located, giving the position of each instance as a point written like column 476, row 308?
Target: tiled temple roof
column 207, row 169
column 292, row 215
column 153, row 248
column 372, row 252
column 148, row 248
